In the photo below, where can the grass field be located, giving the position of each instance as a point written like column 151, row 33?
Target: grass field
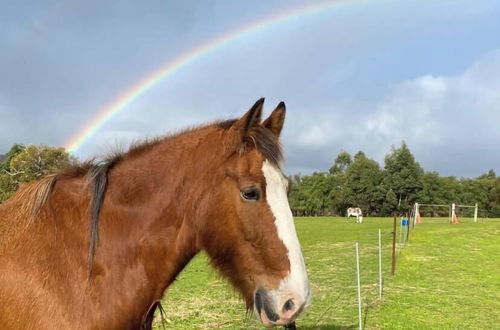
column 448, row 277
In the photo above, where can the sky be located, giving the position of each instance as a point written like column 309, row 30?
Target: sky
column 363, row 75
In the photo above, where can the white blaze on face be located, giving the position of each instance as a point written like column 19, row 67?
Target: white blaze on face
column 296, row 282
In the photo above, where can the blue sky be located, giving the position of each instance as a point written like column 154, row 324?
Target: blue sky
column 363, row 76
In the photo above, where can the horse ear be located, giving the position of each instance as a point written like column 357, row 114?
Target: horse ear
column 275, row 121
column 250, row 119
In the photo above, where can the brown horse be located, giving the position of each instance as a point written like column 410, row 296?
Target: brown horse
column 97, row 245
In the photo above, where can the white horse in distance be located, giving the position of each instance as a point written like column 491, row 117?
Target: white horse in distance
column 355, row 212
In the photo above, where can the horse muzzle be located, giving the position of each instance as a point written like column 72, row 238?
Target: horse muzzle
column 274, row 309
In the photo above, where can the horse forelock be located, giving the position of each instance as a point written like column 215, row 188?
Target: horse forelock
column 260, row 138
column 268, row 144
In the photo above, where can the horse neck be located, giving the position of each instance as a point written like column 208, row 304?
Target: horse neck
column 149, row 207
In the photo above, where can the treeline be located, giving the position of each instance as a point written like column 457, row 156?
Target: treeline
column 361, row 182
column 351, row 181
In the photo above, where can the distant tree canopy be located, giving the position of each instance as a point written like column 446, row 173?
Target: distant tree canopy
column 403, row 175
column 360, row 181
column 23, row 164
column 342, row 162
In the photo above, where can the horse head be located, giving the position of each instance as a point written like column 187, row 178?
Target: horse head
column 250, row 234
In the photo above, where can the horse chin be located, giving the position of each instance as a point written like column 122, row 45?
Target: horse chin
column 264, row 320
column 262, row 317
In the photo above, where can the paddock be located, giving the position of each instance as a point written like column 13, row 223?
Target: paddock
column 435, row 283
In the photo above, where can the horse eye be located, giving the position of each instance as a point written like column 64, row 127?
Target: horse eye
column 250, row 194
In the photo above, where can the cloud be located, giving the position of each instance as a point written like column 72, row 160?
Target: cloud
column 432, row 110
column 449, row 122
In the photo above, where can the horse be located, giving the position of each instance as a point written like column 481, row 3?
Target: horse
column 356, row 212
column 96, row 245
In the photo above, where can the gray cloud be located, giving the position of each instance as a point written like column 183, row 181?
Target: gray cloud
column 451, row 123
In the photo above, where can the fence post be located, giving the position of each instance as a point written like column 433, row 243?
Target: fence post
column 400, row 239
column 475, row 213
column 454, row 218
column 393, row 267
column 379, row 264
column 407, row 234
column 359, row 287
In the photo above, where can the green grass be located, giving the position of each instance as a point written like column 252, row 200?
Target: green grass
column 448, row 277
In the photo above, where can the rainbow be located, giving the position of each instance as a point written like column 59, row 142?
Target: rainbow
column 172, row 66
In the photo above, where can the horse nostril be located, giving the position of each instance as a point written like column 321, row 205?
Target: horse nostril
column 263, row 302
column 289, row 305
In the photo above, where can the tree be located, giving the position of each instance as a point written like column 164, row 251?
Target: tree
column 489, row 183
column 8, row 184
column 493, row 206
column 35, row 162
column 490, row 175
column 403, row 175
column 296, row 196
column 341, row 164
column 311, row 195
column 338, row 181
column 24, row 164
column 432, row 189
column 14, row 151
column 363, row 179
column 390, row 204
column 438, row 190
